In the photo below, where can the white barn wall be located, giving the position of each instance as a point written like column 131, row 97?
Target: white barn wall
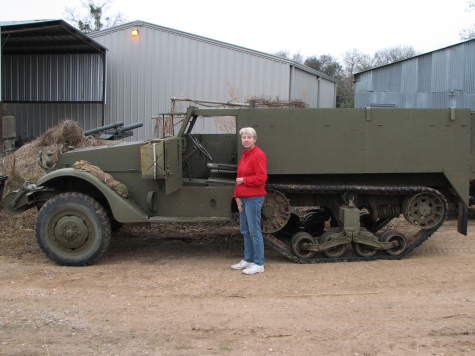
column 305, row 87
column 144, row 73
column 327, row 94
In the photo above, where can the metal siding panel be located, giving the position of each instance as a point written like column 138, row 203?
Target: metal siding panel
column 440, row 100
column 305, row 88
column 409, row 76
column 439, row 72
column 455, row 74
column 33, row 119
column 387, row 78
column 52, row 77
column 327, row 94
column 363, row 83
column 424, row 100
column 424, row 73
column 361, row 100
column 469, row 74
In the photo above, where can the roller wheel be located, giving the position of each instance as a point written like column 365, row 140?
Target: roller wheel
column 393, row 235
column 425, row 210
column 364, row 250
column 73, row 229
column 298, row 244
column 333, row 252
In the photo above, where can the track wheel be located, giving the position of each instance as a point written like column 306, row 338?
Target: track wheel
column 73, row 229
column 425, row 210
column 333, row 252
column 364, row 250
column 299, row 240
column 395, row 236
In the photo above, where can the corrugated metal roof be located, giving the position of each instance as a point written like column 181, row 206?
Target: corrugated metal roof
column 45, row 36
column 419, row 55
column 139, row 23
column 26, row 22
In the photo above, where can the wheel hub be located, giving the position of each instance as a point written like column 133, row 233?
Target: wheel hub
column 71, row 232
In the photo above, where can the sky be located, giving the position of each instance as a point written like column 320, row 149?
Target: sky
column 305, row 27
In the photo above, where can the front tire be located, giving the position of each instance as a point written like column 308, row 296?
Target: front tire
column 73, row 229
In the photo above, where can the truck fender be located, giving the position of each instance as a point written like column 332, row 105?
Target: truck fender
column 123, row 210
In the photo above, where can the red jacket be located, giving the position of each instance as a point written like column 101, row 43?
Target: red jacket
column 253, row 168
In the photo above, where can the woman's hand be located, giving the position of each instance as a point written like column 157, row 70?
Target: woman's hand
column 239, row 180
column 239, row 205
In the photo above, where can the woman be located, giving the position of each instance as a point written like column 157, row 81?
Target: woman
column 250, row 193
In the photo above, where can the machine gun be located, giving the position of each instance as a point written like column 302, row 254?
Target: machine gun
column 115, row 131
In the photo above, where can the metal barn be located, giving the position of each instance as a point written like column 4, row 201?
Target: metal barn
column 50, row 72
column 148, row 64
column 437, row 79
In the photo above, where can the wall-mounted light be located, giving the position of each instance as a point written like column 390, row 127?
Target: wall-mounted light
column 135, row 33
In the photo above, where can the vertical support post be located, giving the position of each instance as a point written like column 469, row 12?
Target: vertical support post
column 104, row 76
column 318, row 93
column 291, row 81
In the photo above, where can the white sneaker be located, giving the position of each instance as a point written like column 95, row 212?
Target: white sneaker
column 253, row 269
column 241, row 265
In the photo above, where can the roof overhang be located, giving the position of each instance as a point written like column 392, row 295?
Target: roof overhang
column 45, row 37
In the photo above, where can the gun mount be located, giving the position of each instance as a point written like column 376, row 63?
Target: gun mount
column 115, row 131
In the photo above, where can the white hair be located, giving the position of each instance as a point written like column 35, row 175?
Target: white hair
column 249, row 131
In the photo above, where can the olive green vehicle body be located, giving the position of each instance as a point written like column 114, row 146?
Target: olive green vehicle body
column 424, row 147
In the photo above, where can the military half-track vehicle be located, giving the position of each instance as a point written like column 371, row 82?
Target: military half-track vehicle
column 364, row 172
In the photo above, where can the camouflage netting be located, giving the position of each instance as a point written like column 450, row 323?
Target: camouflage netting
column 114, row 184
column 22, row 165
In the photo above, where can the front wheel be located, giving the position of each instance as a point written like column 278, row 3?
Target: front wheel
column 73, row 229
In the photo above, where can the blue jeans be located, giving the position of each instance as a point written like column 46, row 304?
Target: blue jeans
column 250, row 223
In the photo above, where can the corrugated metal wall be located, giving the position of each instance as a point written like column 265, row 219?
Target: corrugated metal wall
column 305, row 87
column 443, row 78
column 33, row 119
column 52, row 77
column 144, row 73
column 327, row 94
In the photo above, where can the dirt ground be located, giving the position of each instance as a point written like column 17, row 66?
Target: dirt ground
column 163, row 296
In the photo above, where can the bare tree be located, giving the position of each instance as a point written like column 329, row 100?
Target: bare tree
column 469, row 32
column 391, row 55
column 283, row 53
column 93, row 16
column 356, row 61
column 297, row 57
